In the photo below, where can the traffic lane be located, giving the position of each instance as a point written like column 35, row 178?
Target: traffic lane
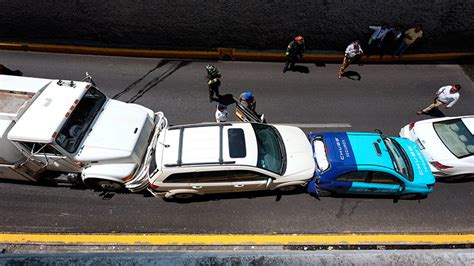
column 28, row 208
column 386, row 97
column 293, row 97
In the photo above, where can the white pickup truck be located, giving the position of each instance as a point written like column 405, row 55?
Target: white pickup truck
column 51, row 127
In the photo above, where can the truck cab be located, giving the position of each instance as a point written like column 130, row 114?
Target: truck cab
column 70, row 127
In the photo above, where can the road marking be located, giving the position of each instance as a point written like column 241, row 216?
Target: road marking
column 202, row 239
column 327, row 125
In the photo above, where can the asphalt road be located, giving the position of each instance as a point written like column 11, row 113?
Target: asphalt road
column 386, row 98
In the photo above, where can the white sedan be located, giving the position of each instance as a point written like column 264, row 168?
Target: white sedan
column 447, row 143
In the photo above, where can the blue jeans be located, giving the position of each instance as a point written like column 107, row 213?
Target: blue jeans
column 401, row 49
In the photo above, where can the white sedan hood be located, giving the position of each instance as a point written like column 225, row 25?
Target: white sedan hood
column 299, row 153
column 115, row 134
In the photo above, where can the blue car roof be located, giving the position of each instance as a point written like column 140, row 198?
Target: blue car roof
column 364, row 146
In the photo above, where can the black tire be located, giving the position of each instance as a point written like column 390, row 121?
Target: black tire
column 183, row 196
column 412, row 196
column 104, row 184
column 288, row 189
column 324, row 193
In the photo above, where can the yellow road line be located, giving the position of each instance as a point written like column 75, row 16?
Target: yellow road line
column 218, row 53
column 203, row 239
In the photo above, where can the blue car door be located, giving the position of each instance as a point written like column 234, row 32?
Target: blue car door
column 350, row 182
column 378, row 183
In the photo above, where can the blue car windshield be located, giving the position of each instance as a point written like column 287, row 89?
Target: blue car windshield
column 400, row 160
column 271, row 151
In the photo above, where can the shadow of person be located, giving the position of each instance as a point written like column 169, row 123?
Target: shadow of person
column 226, row 99
column 301, row 69
column 457, row 179
column 353, row 75
column 435, row 113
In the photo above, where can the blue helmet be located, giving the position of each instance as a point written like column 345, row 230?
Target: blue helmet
column 247, row 95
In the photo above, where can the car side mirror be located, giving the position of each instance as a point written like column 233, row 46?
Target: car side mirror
column 269, row 181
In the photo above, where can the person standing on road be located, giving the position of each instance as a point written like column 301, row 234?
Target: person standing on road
column 376, row 40
column 353, row 51
column 411, row 36
column 294, row 52
column 446, row 96
column 213, row 81
column 221, row 113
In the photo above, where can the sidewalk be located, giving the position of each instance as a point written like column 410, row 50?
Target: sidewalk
column 229, row 54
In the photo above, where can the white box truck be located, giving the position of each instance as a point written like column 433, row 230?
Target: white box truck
column 52, row 127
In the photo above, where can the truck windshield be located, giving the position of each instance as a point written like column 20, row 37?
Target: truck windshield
column 400, row 160
column 271, row 151
column 80, row 120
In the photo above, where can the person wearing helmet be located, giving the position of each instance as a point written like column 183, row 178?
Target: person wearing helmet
column 294, row 52
column 213, row 81
column 248, row 100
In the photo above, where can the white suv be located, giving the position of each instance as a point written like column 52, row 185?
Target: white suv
column 209, row 158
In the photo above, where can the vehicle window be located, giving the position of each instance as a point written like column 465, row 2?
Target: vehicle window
column 271, row 151
column 40, row 148
column 456, row 137
column 240, row 176
column 400, row 160
column 78, row 123
column 211, row 177
column 355, row 176
column 236, row 143
column 179, row 178
column 383, row 178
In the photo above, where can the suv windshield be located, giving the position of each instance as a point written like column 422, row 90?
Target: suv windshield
column 271, row 151
column 456, row 137
column 400, row 160
column 79, row 121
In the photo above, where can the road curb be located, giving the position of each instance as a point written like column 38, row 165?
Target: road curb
column 224, row 54
column 238, row 240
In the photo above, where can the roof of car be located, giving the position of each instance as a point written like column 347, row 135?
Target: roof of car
column 208, row 143
column 365, row 151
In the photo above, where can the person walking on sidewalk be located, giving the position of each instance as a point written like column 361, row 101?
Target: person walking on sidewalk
column 213, row 81
column 411, row 36
column 353, row 51
column 376, row 40
column 446, row 96
column 294, row 52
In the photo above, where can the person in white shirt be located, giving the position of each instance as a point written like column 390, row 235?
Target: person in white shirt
column 446, row 96
column 376, row 40
column 352, row 52
column 221, row 113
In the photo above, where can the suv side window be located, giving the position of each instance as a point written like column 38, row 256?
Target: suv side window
column 355, row 176
column 179, row 178
column 383, row 178
column 211, row 177
column 241, row 176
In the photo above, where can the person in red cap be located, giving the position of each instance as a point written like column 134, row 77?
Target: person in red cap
column 294, row 52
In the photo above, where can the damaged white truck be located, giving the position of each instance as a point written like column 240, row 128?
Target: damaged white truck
column 53, row 127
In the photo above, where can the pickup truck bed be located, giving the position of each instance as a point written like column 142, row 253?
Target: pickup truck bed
column 11, row 102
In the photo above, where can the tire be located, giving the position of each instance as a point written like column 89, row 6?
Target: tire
column 411, row 196
column 324, row 193
column 287, row 189
column 104, row 184
column 183, row 196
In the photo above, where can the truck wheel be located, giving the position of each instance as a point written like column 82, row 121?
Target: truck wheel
column 103, row 184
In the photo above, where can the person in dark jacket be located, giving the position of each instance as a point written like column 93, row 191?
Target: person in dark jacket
column 294, row 52
column 213, row 81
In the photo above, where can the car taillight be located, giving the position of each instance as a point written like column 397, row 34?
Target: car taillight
column 412, row 124
column 325, row 148
column 127, row 178
column 439, row 165
column 154, row 187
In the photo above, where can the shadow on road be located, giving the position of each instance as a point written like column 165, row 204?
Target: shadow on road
column 353, row 75
column 301, row 69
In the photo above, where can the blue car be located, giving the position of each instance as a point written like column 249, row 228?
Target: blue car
column 368, row 164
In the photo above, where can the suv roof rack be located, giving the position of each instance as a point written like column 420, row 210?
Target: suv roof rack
column 181, row 128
